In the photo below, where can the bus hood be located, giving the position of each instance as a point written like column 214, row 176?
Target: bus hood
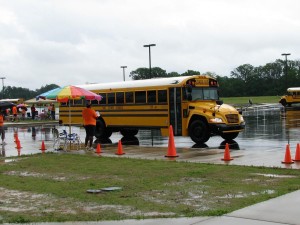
column 213, row 107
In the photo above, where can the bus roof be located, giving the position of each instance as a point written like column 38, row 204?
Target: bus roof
column 154, row 82
column 293, row 89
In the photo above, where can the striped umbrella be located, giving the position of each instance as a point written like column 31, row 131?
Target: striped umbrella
column 70, row 92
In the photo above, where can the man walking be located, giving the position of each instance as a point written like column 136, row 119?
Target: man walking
column 89, row 122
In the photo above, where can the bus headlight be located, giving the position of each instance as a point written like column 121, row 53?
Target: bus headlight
column 216, row 120
column 242, row 119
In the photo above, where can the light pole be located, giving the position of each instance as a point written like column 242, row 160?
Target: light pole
column 286, row 68
column 2, row 86
column 149, row 46
column 123, row 67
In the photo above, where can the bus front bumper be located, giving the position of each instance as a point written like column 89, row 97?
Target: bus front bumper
column 225, row 128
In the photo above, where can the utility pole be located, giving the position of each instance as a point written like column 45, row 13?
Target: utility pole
column 286, row 69
column 149, row 46
column 123, row 72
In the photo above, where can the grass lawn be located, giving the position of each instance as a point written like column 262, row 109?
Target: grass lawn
column 53, row 187
column 255, row 100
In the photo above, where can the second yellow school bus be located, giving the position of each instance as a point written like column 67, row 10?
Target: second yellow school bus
column 190, row 104
column 292, row 96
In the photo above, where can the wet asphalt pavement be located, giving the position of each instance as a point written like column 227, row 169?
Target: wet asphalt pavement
column 262, row 143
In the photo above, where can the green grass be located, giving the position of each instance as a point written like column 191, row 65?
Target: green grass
column 52, row 187
column 254, row 99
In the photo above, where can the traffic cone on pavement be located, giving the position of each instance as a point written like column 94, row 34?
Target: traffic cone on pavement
column 297, row 155
column 43, row 148
column 227, row 153
column 120, row 149
column 98, row 149
column 171, row 145
column 287, row 158
column 16, row 138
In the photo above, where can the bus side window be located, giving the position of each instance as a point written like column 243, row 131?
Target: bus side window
column 151, row 96
column 120, row 97
column 111, row 98
column 103, row 100
column 129, row 97
column 140, row 97
column 162, row 96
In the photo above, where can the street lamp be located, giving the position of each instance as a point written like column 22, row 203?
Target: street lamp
column 124, row 71
column 286, row 67
column 149, row 46
column 2, row 86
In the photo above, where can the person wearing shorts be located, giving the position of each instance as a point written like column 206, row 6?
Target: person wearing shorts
column 89, row 122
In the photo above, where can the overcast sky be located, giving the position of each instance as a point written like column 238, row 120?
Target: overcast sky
column 69, row 42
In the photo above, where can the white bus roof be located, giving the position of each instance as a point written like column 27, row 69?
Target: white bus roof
column 155, row 82
column 293, row 89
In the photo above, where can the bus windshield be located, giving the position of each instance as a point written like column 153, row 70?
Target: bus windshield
column 204, row 94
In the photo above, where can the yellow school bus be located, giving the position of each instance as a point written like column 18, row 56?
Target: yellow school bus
column 190, row 104
column 292, row 97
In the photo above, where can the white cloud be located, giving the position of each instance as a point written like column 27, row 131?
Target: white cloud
column 74, row 41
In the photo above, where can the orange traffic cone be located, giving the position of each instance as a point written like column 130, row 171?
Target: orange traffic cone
column 227, row 153
column 98, row 149
column 16, row 138
column 297, row 155
column 18, row 144
column 287, row 158
column 171, row 145
column 120, row 149
column 43, row 148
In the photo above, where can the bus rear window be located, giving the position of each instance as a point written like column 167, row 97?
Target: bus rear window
column 103, row 100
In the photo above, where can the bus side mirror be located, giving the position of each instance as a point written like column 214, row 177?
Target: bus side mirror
column 189, row 97
column 219, row 102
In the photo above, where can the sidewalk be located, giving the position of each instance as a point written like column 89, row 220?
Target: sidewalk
column 281, row 210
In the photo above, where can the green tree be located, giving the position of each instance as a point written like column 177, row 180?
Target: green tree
column 190, row 72
column 144, row 73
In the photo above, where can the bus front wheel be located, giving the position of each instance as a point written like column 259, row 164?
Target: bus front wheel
column 198, row 131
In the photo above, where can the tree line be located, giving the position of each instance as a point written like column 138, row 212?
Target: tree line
column 25, row 93
column 245, row 80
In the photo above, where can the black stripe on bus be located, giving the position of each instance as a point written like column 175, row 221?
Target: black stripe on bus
column 125, row 110
column 124, row 115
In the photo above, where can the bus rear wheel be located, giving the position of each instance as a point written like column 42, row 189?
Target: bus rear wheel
column 229, row 136
column 198, row 131
column 129, row 132
column 101, row 130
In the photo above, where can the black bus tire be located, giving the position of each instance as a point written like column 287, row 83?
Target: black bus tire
column 101, row 130
column 198, row 131
column 229, row 136
column 129, row 132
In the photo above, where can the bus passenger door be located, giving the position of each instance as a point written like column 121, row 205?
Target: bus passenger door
column 175, row 110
